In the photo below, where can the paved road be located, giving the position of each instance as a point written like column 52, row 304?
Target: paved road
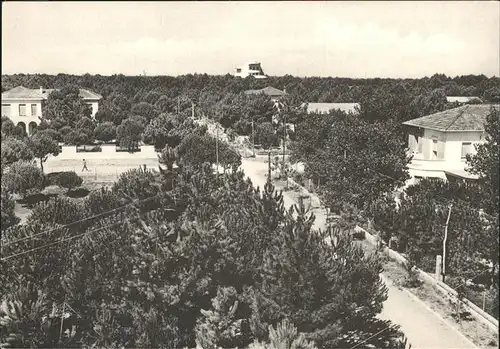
column 423, row 328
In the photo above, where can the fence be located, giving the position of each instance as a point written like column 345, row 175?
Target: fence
column 477, row 312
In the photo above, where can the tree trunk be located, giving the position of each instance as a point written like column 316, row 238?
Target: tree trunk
column 41, row 164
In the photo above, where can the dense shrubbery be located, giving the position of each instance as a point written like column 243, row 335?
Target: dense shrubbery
column 212, row 261
column 69, row 180
column 23, row 178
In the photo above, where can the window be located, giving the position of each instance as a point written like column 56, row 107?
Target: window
column 33, row 110
column 5, row 109
column 22, row 109
column 466, row 149
column 435, row 147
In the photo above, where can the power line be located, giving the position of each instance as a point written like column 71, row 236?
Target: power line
column 79, row 235
column 57, row 242
column 81, row 220
column 367, row 339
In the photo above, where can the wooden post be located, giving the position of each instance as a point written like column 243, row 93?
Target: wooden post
column 484, row 299
column 439, row 267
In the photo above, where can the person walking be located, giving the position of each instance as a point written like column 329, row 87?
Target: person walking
column 85, row 165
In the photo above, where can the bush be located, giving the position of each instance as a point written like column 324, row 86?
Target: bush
column 69, row 180
column 411, row 279
column 8, row 215
column 23, row 178
column 101, row 200
column 59, row 210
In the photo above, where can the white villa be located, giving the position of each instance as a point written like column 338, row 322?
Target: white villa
column 250, row 69
column 440, row 142
column 24, row 106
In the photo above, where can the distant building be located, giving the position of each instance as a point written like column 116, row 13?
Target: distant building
column 440, row 142
column 272, row 92
column 463, row 100
column 24, row 106
column 327, row 107
column 250, row 69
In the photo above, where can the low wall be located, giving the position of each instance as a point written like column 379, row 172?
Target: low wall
column 477, row 312
column 108, row 151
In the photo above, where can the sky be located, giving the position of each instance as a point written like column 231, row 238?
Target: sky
column 333, row 38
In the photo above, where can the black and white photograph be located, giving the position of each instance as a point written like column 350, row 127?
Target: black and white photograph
column 250, row 174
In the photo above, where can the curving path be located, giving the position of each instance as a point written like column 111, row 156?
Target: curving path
column 424, row 328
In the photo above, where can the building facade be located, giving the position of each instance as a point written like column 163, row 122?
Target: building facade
column 250, row 69
column 24, row 106
column 440, row 142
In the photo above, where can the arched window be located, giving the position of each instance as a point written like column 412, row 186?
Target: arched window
column 22, row 125
column 32, row 127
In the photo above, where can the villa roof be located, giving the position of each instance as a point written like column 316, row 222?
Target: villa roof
column 464, row 118
column 326, row 107
column 21, row 92
column 270, row 91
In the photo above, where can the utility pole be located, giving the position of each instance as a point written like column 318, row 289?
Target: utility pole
column 444, row 241
column 217, row 146
column 253, row 140
column 284, row 139
column 269, row 165
column 192, row 109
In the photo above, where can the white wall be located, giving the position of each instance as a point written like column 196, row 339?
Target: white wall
column 94, row 106
column 454, row 142
column 16, row 118
column 425, row 164
column 449, row 144
column 14, row 111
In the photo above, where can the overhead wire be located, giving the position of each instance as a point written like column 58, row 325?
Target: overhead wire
column 80, row 220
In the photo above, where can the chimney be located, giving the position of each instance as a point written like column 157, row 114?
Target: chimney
column 41, row 89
